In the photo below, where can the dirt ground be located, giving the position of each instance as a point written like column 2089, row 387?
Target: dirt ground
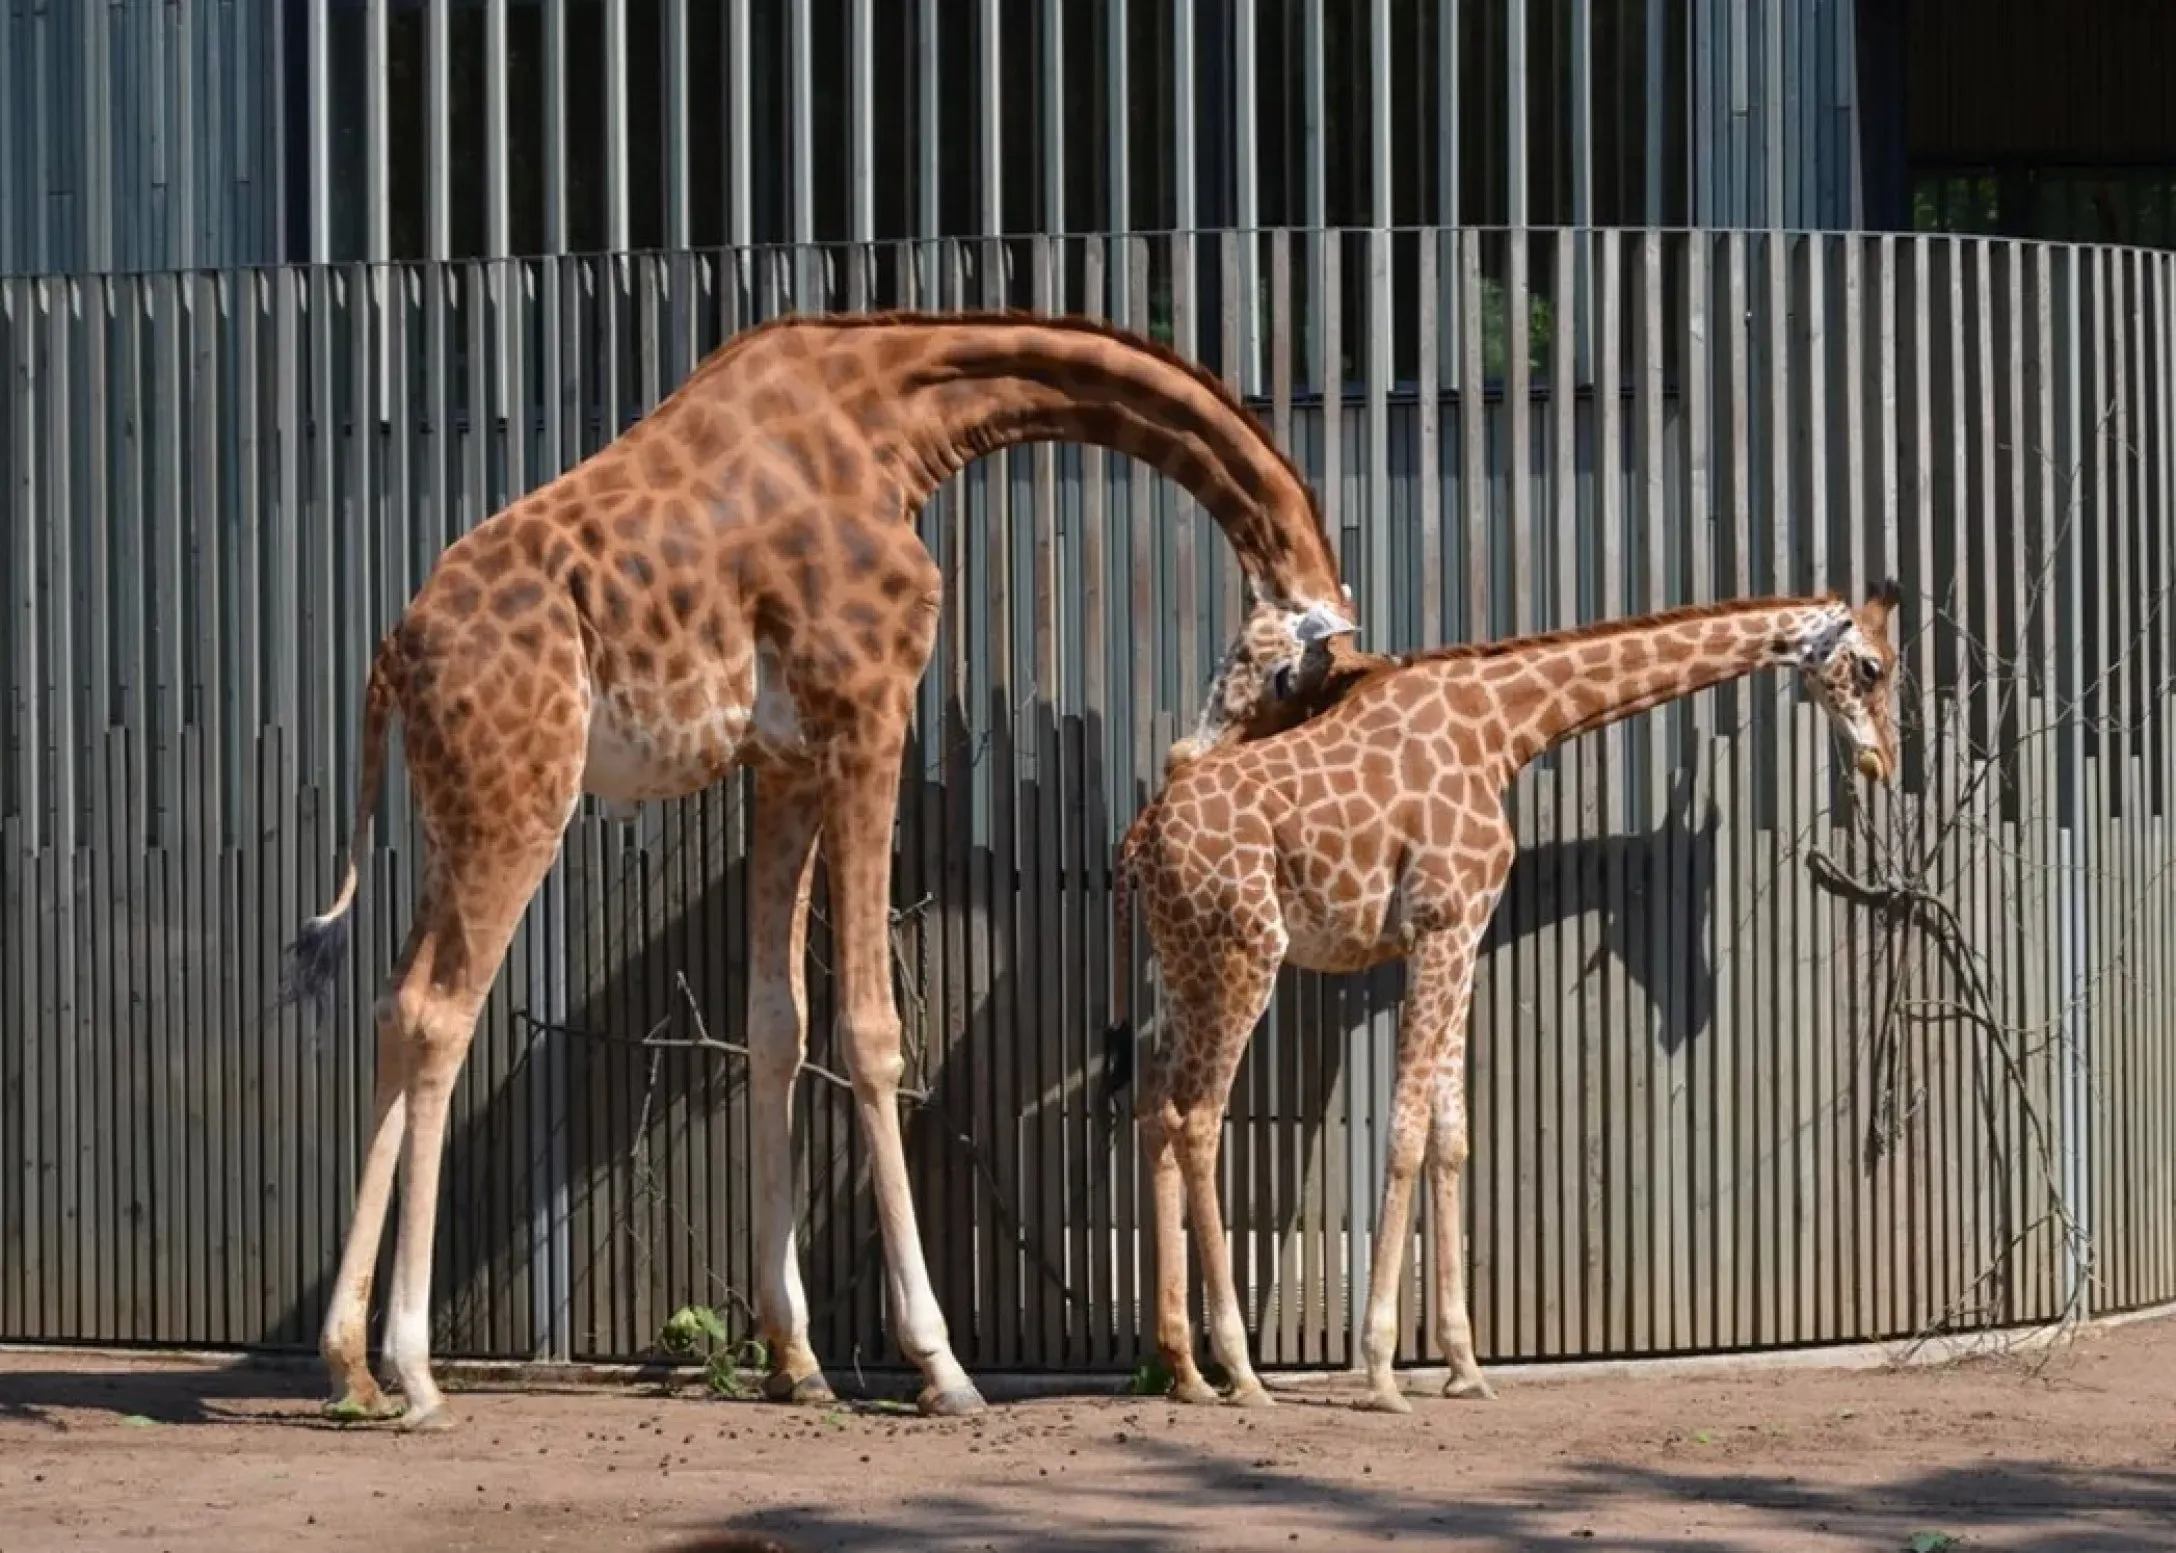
column 2074, row 1450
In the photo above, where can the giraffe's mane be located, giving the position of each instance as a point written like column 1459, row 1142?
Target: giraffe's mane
column 1019, row 317
column 1623, row 625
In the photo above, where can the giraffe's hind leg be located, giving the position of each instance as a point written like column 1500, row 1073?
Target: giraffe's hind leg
column 1222, row 1015
column 491, row 844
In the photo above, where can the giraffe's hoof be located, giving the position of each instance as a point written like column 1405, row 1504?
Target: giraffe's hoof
column 1192, row 1389
column 353, row 1407
column 962, row 1401
column 810, row 1390
column 1252, row 1394
column 435, row 1419
column 1386, row 1399
column 1474, row 1386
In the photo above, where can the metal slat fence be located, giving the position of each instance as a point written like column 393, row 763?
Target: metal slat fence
column 1758, row 1061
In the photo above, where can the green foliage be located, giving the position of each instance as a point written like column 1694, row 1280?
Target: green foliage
column 1930, row 1542
column 1152, row 1379
column 698, row 1332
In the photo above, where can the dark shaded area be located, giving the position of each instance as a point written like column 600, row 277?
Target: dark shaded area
column 220, row 1395
column 2033, row 1505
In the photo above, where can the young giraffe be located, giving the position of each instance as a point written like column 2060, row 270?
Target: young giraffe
column 1375, row 832
column 737, row 579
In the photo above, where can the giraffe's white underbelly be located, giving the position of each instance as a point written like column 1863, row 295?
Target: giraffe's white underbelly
column 639, row 752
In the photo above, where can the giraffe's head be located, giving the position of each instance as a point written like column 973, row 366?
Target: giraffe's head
column 1280, row 657
column 1850, row 668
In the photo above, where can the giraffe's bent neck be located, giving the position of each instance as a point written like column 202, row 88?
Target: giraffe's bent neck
column 1555, row 687
column 976, row 388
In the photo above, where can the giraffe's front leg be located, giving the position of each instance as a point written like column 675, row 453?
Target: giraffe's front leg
column 1446, row 1164
column 1447, row 1151
column 1442, row 973
column 782, row 861
column 860, row 798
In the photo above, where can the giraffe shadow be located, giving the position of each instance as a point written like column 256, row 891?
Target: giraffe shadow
column 630, row 1160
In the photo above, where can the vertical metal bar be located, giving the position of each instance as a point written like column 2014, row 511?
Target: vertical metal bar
column 991, row 134
column 550, row 1233
column 498, row 223
column 1617, row 1273
column 1449, row 17
column 2076, row 857
column 616, row 193
column 1515, row 158
column 1314, row 179
column 1118, row 153
column 1518, row 409
column 678, row 216
column 1184, row 79
column 1657, row 38
column 808, row 291
column 740, row 132
column 187, row 223
column 1430, row 451
column 1581, row 87
column 929, row 148
column 1380, row 149
column 1478, row 622
column 1772, row 153
column 1562, row 1050
column 11, row 198
column 1247, row 195
column 1380, row 609
column 554, row 126
column 862, row 120
column 94, row 198
column 377, row 195
column 439, row 117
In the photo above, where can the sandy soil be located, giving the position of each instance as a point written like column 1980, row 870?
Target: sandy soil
column 2075, row 1450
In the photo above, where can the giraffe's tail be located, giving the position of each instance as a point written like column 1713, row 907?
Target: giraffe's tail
column 313, row 959
column 1118, row 1035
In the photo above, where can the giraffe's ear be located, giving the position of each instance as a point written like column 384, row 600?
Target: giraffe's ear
column 1874, row 614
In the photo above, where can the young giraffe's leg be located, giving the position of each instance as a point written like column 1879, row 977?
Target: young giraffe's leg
column 1447, row 1148
column 781, row 867
column 1440, row 979
column 1198, row 1092
column 860, row 800
column 1167, row 1199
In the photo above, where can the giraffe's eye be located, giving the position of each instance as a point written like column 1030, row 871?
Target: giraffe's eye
column 1869, row 673
column 1280, row 682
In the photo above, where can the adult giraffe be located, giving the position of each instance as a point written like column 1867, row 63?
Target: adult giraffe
column 736, row 579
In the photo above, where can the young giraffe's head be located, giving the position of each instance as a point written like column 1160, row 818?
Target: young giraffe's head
column 1272, row 674
column 1850, row 667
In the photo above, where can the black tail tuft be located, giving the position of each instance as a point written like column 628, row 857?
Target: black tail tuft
column 313, row 962
column 1117, row 1063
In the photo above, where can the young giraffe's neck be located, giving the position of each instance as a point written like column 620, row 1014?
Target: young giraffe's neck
column 1555, row 687
column 975, row 387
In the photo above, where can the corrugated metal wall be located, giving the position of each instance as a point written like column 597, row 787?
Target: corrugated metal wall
column 1723, row 1096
